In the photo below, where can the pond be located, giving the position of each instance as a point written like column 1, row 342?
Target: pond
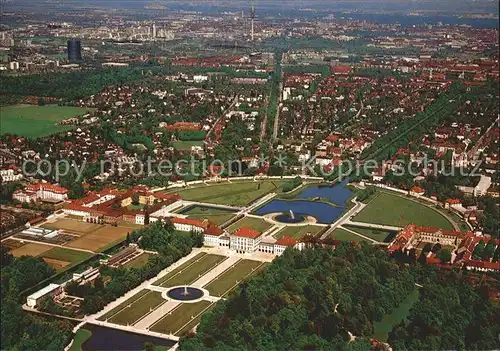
column 323, row 212
column 113, row 339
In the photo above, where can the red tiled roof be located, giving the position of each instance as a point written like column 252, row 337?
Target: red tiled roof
column 247, row 233
column 190, row 221
column 47, row 187
column 286, row 241
column 417, row 189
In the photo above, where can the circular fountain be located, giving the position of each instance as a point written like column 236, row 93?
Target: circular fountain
column 290, row 218
column 185, row 293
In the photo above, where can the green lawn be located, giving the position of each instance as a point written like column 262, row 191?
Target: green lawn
column 133, row 207
column 235, row 193
column 81, row 336
column 344, row 235
column 225, row 282
column 36, row 121
column 181, row 316
column 139, row 308
column 138, row 262
column 251, row 222
column 394, row 210
column 383, row 327
column 183, row 266
column 194, row 322
column 375, row 234
column 215, row 215
column 123, row 305
column 73, row 256
column 193, row 272
column 187, row 144
column 298, row 232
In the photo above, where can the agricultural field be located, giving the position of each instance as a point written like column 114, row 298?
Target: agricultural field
column 72, row 225
column 251, row 222
column 228, row 280
column 215, row 215
column 394, row 210
column 138, row 261
column 60, row 257
column 31, row 249
column 193, row 272
column 344, row 235
column 297, row 232
column 234, row 193
column 100, row 239
column 180, row 317
column 131, row 313
column 375, row 234
column 37, row 121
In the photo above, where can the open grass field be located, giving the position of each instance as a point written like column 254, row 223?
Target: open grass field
column 298, row 232
column 123, row 305
column 344, row 235
column 384, row 327
column 137, row 309
column 180, row 317
column 186, row 144
column 36, row 121
column 182, row 267
column 62, row 254
column 31, row 249
column 72, row 225
column 81, row 336
column 225, row 282
column 194, row 322
column 394, row 210
column 234, row 193
column 138, row 262
column 215, row 215
column 193, row 272
column 375, row 234
column 100, row 238
column 251, row 222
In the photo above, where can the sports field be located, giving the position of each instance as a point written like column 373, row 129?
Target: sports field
column 31, row 249
column 228, row 280
column 180, row 317
column 375, row 234
column 36, row 121
column 191, row 273
column 215, row 215
column 344, row 235
column 186, row 144
column 131, row 313
column 234, row 193
column 99, row 239
column 250, row 222
column 298, row 232
column 394, row 210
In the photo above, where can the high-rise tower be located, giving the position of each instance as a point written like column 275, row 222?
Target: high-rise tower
column 74, row 50
column 252, row 16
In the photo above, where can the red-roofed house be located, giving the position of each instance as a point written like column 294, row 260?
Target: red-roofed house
column 41, row 191
column 245, row 240
column 453, row 203
column 416, row 191
column 281, row 245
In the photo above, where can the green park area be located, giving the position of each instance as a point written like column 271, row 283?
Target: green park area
column 215, row 215
column 298, row 232
column 344, row 235
column 190, row 273
column 185, row 145
column 36, row 121
column 384, row 327
column 81, row 336
column 236, row 193
column 224, row 283
column 181, row 268
column 258, row 224
column 120, row 307
column 179, row 319
column 138, row 261
column 375, row 234
column 131, row 313
column 394, row 210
